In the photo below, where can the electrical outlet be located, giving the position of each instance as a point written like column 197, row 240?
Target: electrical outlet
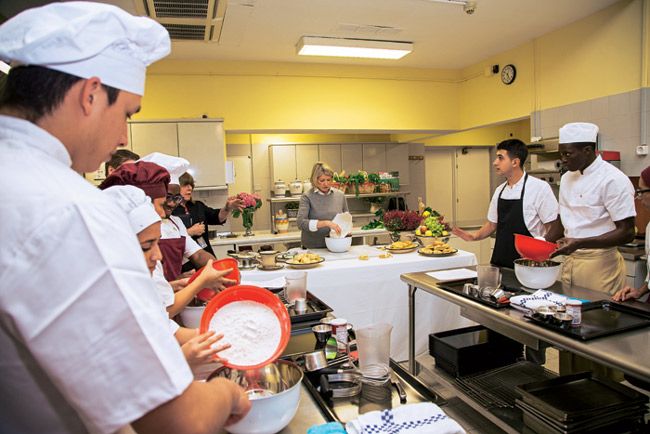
column 642, row 150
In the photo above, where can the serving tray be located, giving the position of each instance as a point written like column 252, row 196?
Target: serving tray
column 316, row 309
column 457, row 288
column 600, row 318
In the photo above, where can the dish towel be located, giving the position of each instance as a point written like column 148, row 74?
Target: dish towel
column 537, row 299
column 421, row 418
column 327, row 428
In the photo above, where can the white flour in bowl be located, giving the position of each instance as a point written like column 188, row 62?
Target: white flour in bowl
column 251, row 328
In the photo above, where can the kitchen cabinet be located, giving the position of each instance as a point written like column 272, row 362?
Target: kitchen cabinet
column 635, row 272
column 306, row 157
column 283, row 162
column 374, row 157
column 200, row 141
column 397, row 160
column 330, row 154
column 351, row 158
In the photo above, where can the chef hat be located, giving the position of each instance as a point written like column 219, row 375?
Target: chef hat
column 135, row 204
column 86, row 39
column 176, row 166
column 149, row 177
column 578, row 132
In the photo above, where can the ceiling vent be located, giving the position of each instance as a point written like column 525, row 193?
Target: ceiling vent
column 195, row 20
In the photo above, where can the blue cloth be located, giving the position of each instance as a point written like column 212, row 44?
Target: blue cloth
column 327, row 428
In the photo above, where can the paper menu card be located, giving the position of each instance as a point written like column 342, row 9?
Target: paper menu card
column 451, row 275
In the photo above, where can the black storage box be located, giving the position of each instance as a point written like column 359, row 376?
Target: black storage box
column 473, row 349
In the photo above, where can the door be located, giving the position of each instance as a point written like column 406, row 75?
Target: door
column 439, row 181
column 472, row 185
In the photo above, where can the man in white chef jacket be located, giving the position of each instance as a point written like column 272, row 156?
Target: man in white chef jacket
column 596, row 210
column 85, row 347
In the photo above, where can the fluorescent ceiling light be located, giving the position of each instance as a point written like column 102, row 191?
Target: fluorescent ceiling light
column 344, row 47
column 4, row 67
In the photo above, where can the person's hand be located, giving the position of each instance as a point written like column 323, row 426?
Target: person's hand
column 199, row 349
column 196, row 229
column 627, row 293
column 241, row 405
column 234, row 204
column 215, row 279
column 336, row 228
column 566, row 246
column 179, row 284
column 462, row 234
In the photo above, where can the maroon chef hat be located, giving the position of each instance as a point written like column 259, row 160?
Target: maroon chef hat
column 645, row 175
column 150, row 177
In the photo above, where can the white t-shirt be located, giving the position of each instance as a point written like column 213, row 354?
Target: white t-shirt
column 170, row 230
column 165, row 290
column 84, row 344
column 592, row 201
column 539, row 207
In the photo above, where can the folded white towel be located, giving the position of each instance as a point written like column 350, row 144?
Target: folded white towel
column 537, row 299
column 422, row 418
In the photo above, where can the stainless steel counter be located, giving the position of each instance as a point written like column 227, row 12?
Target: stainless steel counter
column 628, row 352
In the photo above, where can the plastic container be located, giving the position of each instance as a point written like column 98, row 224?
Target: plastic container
column 206, row 294
column 373, row 345
column 296, row 285
column 574, row 308
column 473, row 349
column 259, row 295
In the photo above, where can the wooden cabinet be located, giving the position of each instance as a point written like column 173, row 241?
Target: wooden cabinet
column 200, row 141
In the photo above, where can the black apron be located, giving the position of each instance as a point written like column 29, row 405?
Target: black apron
column 510, row 215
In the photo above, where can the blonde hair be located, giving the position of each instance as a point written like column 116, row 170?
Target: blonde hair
column 320, row 169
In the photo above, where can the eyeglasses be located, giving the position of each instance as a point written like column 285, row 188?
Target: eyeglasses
column 639, row 192
column 176, row 198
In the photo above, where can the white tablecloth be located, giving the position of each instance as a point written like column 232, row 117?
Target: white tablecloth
column 368, row 292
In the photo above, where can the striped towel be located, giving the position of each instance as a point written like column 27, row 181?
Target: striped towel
column 422, row 418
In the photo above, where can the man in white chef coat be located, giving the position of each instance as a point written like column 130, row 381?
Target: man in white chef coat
column 85, row 347
column 521, row 205
column 596, row 210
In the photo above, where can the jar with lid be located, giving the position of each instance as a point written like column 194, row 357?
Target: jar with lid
column 574, row 308
column 282, row 222
column 279, row 188
column 306, row 185
column 295, row 188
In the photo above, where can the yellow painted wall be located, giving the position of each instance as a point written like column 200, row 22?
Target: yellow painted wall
column 485, row 136
column 279, row 139
column 254, row 97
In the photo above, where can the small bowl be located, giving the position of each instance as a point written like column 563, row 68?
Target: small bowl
column 338, row 245
column 563, row 319
column 322, row 332
column 315, row 360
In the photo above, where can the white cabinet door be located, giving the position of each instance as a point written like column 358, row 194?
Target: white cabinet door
column 330, row 154
column 439, row 184
column 154, row 137
column 374, row 157
column 397, row 159
column 283, row 162
column 202, row 144
column 306, row 157
column 351, row 158
column 472, row 186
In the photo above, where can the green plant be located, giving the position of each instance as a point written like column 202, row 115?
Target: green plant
column 340, row 178
column 374, row 178
column 292, row 205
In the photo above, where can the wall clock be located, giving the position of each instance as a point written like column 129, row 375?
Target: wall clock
column 508, row 74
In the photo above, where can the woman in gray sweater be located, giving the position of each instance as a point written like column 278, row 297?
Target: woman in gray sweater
column 318, row 207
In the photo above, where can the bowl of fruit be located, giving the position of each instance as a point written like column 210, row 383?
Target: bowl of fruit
column 432, row 228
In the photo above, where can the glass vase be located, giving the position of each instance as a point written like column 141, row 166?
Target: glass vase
column 247, row 221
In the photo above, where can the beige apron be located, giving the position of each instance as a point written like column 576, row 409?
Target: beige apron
column 598, row 270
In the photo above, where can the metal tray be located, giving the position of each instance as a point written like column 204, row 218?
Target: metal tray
column 601, row 318
column 316, row 309
column 577, row 396
column 631, row 425
column 457, row 288
column 371, row 397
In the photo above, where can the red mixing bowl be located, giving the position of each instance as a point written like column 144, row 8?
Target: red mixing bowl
column 222, row 264
column 532, row 248
column 259, row 295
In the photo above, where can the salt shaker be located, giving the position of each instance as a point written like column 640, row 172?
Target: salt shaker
column 574, row 308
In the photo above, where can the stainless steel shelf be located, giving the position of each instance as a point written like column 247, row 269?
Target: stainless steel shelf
column 281, row 199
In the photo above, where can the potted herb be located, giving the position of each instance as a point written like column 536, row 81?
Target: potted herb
column 375, row 203
column 292, row 209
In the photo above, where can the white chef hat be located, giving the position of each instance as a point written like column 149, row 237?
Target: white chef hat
column 579, row 132
column 136, row 204
column 176, row 166
column 86, row 39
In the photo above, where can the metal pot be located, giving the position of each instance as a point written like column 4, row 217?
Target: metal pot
column 245, row 260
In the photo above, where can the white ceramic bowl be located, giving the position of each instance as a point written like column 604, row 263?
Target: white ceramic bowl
column 536, row 275
column 338, row 245
column 268, row 414
column 191, row 316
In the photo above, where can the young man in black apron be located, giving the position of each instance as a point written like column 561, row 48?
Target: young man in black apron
column 521, row 205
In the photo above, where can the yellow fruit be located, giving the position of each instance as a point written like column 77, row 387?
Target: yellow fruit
column 417, row 232
column 428, row 234
column 426, row 214
column 445, row 233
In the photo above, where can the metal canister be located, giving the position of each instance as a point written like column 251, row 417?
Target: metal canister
column 574, row 308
